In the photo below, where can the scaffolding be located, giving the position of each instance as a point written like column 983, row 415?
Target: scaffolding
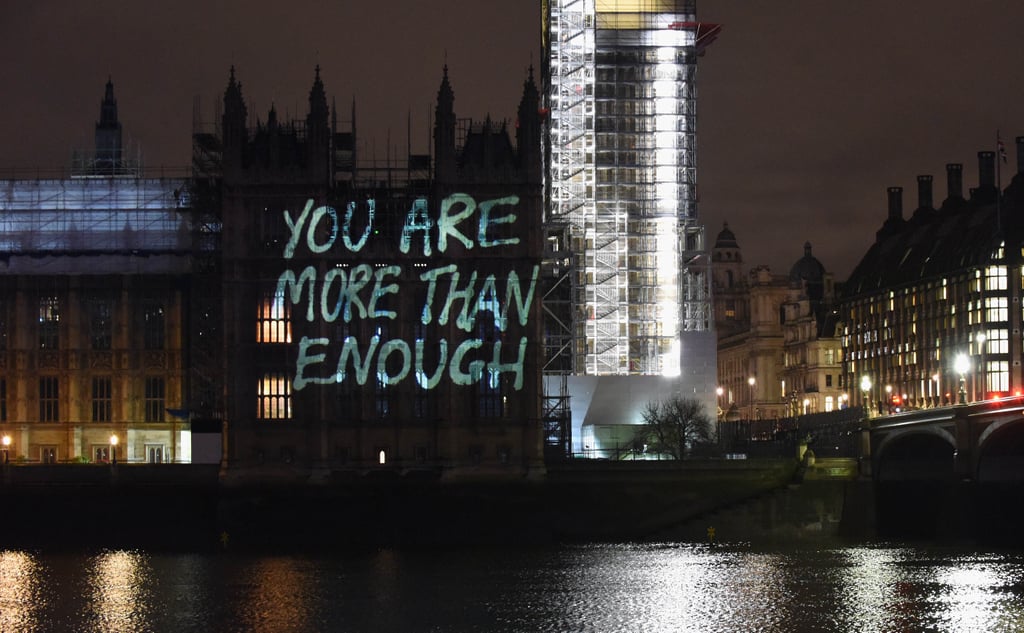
column 107, row 215
column 622, row 178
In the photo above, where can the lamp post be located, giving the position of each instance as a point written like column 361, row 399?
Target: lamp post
column 865, row 387
column 113, row 449
column 961, row 365
column 718, row 392
column 7, row 448
column 751, row 381
column 983, row 373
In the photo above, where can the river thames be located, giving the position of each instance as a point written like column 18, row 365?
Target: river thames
column 607, row 587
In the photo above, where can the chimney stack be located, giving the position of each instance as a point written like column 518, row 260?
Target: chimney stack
column 954, row 180
column 986, row 170
column 895, row 204
column 1020, row 154
column 924, row 191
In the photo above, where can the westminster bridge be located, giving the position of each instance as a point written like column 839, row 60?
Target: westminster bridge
column 979, row 442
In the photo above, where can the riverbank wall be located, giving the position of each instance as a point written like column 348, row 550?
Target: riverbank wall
column 764, row 501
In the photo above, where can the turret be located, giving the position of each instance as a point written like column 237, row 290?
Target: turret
column 108, row 134
column 444, row 131
column 317, row 130
column 528, row 130
column 234, row 122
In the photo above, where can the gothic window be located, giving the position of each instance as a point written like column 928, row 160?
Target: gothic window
column 49, row 322
column 273, row 319
column 49, row 399
column 100, row 323
column 154, row 398
column 102, row 401
column 153, row 324
column 274, row 394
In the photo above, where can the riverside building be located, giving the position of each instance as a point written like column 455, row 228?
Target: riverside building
column 94, row 288
column 932, row 314
column 378, row 316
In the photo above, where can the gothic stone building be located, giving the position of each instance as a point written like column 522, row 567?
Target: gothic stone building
column 381, row 317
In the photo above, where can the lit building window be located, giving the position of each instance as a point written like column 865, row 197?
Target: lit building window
column 274, row 397
column 273, row 319
column 154, row 397
column 49, row 322
column 101, row 399
column 49, row 399
column 996, row 309
column 995, row 278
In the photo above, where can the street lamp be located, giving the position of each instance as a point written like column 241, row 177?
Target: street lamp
column 865, row 387
column 113, row 449
column 719, row 391
column 7, row 448
column 961, row 365
column 981, row 338
column 751, row 381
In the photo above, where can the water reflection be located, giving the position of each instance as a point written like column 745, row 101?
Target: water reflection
column 20, row 598
column 599, row 588
column 120, row 592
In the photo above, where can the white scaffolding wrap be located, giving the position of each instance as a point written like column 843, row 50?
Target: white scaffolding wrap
column 622, row 108
column 93, row 215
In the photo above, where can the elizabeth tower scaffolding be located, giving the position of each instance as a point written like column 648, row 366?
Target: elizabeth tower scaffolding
column 621, row 187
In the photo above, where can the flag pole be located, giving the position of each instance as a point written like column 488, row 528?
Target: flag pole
column 1000, row 156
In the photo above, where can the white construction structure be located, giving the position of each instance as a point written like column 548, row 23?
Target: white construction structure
column 621, row 97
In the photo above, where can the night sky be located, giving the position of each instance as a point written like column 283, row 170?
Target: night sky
column 807, row 109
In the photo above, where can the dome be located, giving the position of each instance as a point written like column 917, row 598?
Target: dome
column 807, row 268
column 726, row 238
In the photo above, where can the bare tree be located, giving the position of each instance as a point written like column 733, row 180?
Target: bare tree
column 673, row 426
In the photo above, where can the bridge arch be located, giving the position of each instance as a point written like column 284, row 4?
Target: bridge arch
column 922, row 454
column 1000, row 452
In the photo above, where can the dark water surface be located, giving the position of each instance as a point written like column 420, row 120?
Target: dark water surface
column 650, row 587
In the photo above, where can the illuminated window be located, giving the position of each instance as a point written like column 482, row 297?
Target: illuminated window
column 996, row 309
column 997, row 376
column 273, row 397
column 273, row 319
column 49, row 400
column 153, row 324
column 997, row 342
column 100, row 323
column 49, row 322
column 382, row 456
column 101, row 399
column 829, row 403
column 995, row 278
